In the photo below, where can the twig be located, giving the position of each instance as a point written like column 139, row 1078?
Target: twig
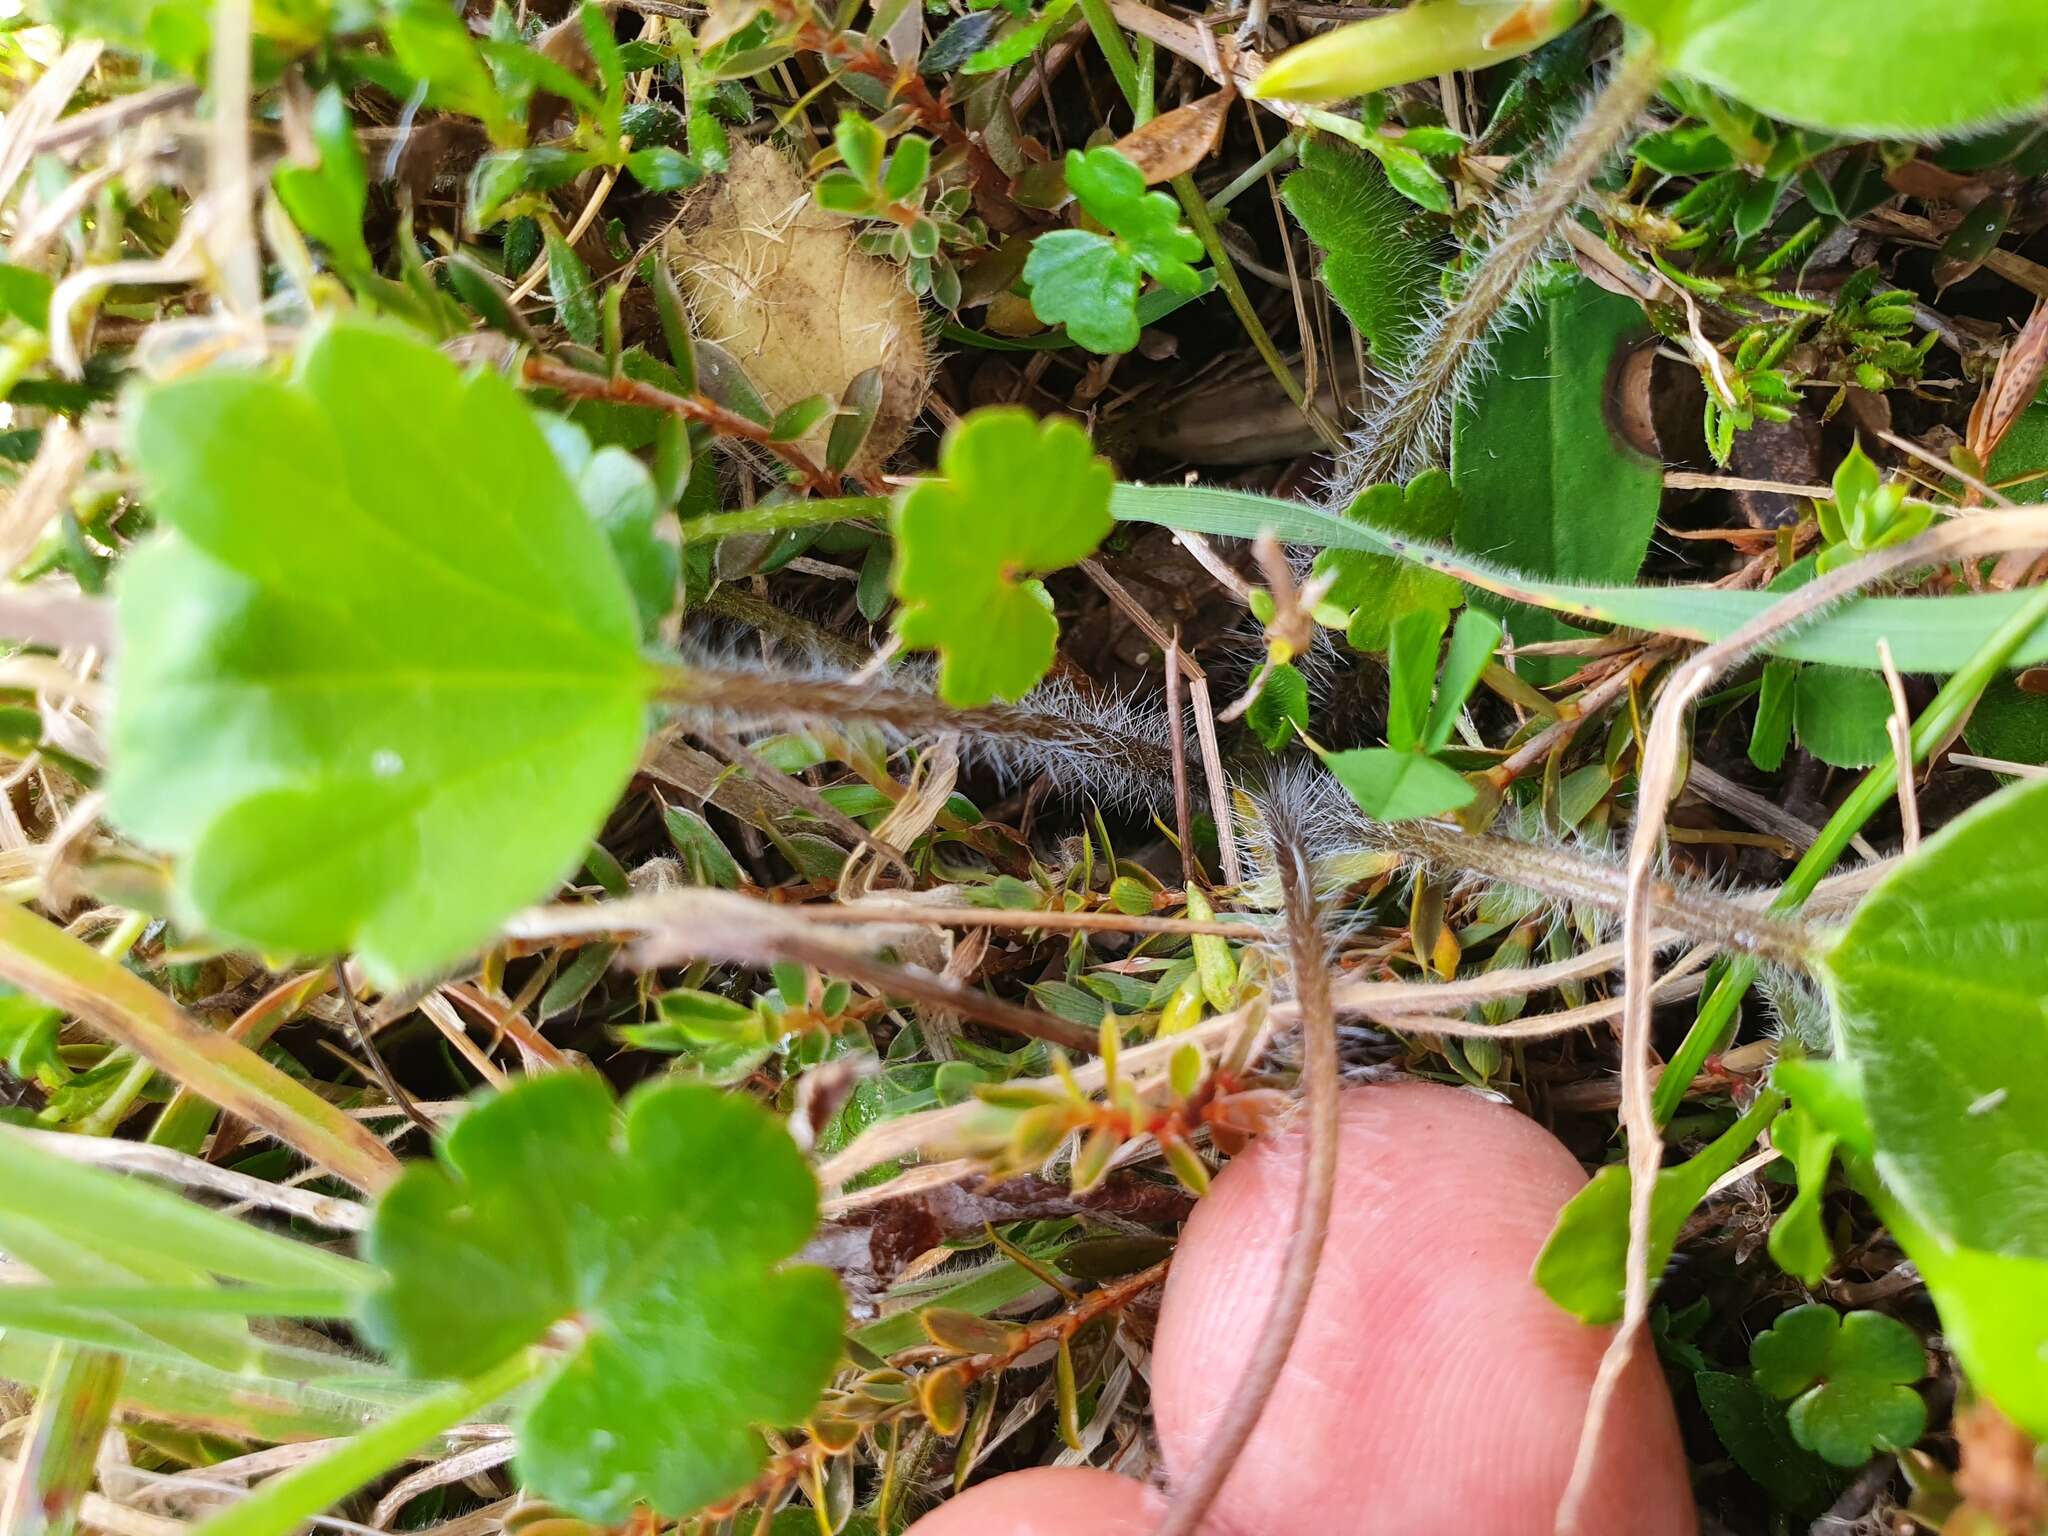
column 368, row 1046
column 699, row 408
column 1310, row 964
column 1177, row 741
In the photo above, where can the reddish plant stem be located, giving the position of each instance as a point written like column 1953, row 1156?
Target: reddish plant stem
column 699, row 408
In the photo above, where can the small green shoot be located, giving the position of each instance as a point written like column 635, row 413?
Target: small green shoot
column 1089, row 282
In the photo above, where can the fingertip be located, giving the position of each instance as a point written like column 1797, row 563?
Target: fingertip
column 1433, row 1387
column 1048, row 1501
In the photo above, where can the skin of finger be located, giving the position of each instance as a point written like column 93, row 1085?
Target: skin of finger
column 1048, row 1501
column 1433, row 1387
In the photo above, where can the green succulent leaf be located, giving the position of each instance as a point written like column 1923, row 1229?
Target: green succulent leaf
column 417, row 661
column 1910, row 69
column 1850, row 1377
column 1015, row 498
column 660, row 1245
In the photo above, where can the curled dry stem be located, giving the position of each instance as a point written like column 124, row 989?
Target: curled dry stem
column 1982, row 534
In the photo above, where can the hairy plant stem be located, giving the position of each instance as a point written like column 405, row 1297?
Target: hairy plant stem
column 1561, row 875
column 1949, row 707
column 1406, row 433
column 1309, row 962
column 760, row 696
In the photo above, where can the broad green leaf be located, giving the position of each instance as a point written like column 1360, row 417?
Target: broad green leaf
column 1376, row 260
column 1841, row 713
column 1398, row 786
column 1582, row 1265
column 1751, row 1424
column 569, row 284
column 1085, row 282
column 1905, row 69
column 662, row 1245
column 1368, row 592
column 433, row 45
column 1927, row 634
column 416, row 660
column 1940, row 992
column 1014, row 498
column 1850, row 1377
column 619, row 493
column 1544, row 482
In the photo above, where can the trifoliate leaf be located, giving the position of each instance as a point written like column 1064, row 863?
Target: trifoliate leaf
column 1370, row 591
column 660, row 1250
column 1083, row 281
column 416, row 662
column 1015, row 498
column 1090, row 283
column 1851, row 1377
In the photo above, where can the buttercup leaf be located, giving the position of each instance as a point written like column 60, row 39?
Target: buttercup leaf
column 661, row 1247
column 1016, row 498
column 416, row 661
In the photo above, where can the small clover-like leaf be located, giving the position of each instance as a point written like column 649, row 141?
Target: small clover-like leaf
column 1367, row 592
column 1851, row 1377
column 1398, row 786
column 1015, row 498
column 417, row 662
column 659, row 1252
column 1085, row 282
column 1147, row 224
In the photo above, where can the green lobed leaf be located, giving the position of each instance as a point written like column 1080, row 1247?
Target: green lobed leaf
column 1146, row 224
column 1906, row 69
column 1014, row 498
column 1085, row 282
column 663, row 1244
column 1940, row 992
column 417, row 662
column 1544, row 482
column 1850, row 1377
column 1841, row 713
column 1798, row 1239
column 1368, row 592
column 1376, row 262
